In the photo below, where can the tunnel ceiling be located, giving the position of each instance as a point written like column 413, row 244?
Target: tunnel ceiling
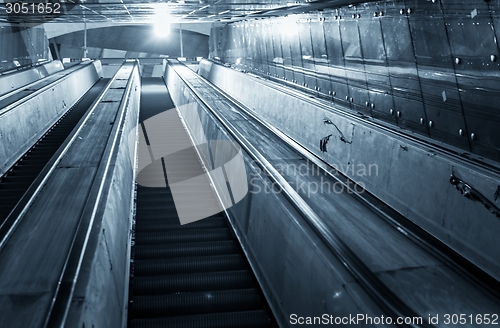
column 145, row 11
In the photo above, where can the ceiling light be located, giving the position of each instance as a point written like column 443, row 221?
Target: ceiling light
column 161, row 20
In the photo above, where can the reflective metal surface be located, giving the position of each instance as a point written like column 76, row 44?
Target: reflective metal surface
column 406, row 63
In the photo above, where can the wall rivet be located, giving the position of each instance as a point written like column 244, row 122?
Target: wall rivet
column 347, row 98
column 373, row 105
column 381, row 13
column 409, row 10
column 375, row 14
column 457, row 60
column 422, row 121
column 402, row 11
column 391, row 111
column 353, row 16
column 367, row 104
column 473, row 136
column 399, row 113
column 431, row 124
column 352, row 100
column 493, row 58
column 461, row 132
column 334, row 93
column 359, row 15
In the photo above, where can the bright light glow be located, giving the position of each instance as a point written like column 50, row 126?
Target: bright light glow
column 288, row 26
column 161, row 20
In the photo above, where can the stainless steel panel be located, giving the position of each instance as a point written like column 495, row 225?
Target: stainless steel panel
column 253, row 51
column 245, row 44
column 306, row 48
column 259, row 30
column 268, row 40
column 291, row 32
column 320, row 57
column 355, row 68
column 471, row 36
column 429, row 34
column 377, row 73
column 229, row 51
column 407, row 96
column 336, row 66
column 283, row 29
column 238, row 46
column 483, row 132
column 444, row 110
column 277, row 50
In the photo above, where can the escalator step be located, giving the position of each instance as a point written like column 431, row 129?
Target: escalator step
column 143, row 191
column 148, row 200
column 189, row 264
column 209, row 223
column 156, row 215
column 192, row 282
column 182, row 236
column 188, row 249
column 159, row 205
column 196, row 303
column 249, row 319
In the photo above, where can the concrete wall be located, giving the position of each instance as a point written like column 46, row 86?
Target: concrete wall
column 410, row 176
column 16, row 80
column 101, row 295
column 26, row 121
column 296, row 271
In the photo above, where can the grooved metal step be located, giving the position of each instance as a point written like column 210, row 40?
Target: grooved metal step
column 196, row 303
column 151, row 226
column 248, row 319
column 182, row 236
column 192, row 282
column 186, row 249
column 189, row 265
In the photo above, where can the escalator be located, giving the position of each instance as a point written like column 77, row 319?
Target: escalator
column 17, row 181
column 192, row 275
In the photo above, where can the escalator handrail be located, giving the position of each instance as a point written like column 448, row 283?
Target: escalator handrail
column 35, row 93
